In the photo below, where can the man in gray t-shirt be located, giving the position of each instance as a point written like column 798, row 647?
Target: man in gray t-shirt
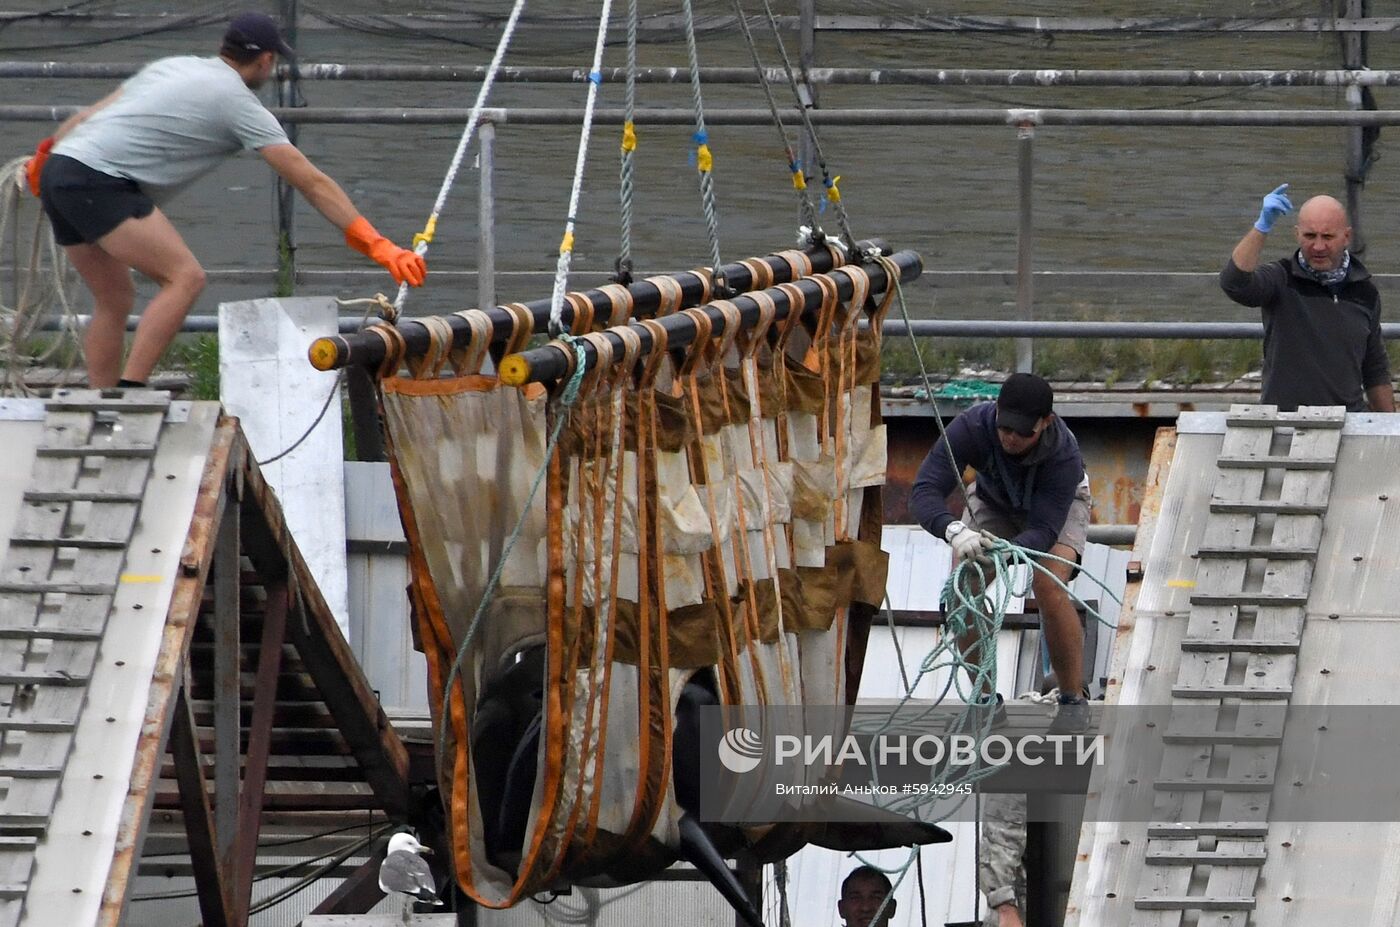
column 103, row 175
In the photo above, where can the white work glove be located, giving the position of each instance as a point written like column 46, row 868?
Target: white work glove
column 966, row 543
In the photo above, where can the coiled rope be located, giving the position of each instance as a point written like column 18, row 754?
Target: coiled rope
column 43, row 279
column 566, row 246
column 423, row 239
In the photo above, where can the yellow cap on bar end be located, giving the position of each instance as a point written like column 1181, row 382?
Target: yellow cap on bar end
column 514, row 370
column 323, row 354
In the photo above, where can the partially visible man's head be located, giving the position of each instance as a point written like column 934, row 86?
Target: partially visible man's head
column 253, row 43
column 862, row 893
column 1023, row 410
column 1323, row 233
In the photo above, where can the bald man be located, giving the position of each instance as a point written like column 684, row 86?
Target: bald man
column 1322, row 313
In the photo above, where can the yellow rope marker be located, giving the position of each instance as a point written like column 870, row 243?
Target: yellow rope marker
column 832, row 193
column 629, row 136
column 799, row 181
column 704, row 160
column 426, row 236
column 567, row 244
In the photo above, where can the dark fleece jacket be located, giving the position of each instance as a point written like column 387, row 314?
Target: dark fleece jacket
column 1036, row 488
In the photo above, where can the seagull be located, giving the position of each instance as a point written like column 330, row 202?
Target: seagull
column 405, row 872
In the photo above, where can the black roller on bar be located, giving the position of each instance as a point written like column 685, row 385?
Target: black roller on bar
column 546, row 364
column 361, row 349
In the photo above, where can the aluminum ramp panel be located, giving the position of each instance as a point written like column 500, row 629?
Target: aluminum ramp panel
column 1317, row 632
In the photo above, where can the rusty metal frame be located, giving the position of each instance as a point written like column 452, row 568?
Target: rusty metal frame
column 250, row 796
column 236, row 507
column 216, row 906
column 360, row 891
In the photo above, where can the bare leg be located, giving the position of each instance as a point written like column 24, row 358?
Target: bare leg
column 109, row 281
column 1060, row 622
column 155, row 248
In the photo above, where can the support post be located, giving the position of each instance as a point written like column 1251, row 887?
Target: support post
column 288, row 96
column 274, row 635
column 211, row 872
column 360, row 891
column 750, row 876
column 486, row 215
column 1360, row 140
column 807, row 26
column 364, row 415
column 1025, row 282
column 227, row 684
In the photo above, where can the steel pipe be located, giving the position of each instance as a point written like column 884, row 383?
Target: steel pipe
column 987, row 328
column 923, row 328
column 368, row 350
column 547, row 116
column 545, row 364
column 668, row 24
column 947, row 77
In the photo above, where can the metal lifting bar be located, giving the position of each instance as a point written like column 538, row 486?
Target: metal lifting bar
column 368, row 350
column 547, row 364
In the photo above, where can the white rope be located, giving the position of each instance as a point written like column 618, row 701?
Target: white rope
column 566, row 245
column 40, row 287
column 425, row 237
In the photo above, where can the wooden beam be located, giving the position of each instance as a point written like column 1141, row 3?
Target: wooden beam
column 210, row 875
column 361, row 891
column 227, row 668
column 250, row 800
column 326, row 655
column 224, row 460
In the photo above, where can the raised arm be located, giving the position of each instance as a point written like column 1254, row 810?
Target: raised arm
column 332, row 202
column 1246, row 253
column 1238, row 279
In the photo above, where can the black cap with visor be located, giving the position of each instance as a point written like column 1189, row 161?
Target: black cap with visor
column 257, row 32
column 1024, row 400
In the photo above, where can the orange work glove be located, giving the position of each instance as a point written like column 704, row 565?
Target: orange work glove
column 402, row 264
column 35, row 165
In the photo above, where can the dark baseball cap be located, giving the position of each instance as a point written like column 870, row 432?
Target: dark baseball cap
column 1024, row 400
column 257, row 32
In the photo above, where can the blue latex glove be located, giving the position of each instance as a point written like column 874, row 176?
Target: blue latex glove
column 1275, row 205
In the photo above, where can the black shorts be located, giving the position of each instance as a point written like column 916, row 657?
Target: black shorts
column 84, row 204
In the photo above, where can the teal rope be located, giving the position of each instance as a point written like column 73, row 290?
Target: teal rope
column 566, row 399
column 981, row 614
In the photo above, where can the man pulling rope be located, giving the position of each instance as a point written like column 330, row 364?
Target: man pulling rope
column 1031, row 484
